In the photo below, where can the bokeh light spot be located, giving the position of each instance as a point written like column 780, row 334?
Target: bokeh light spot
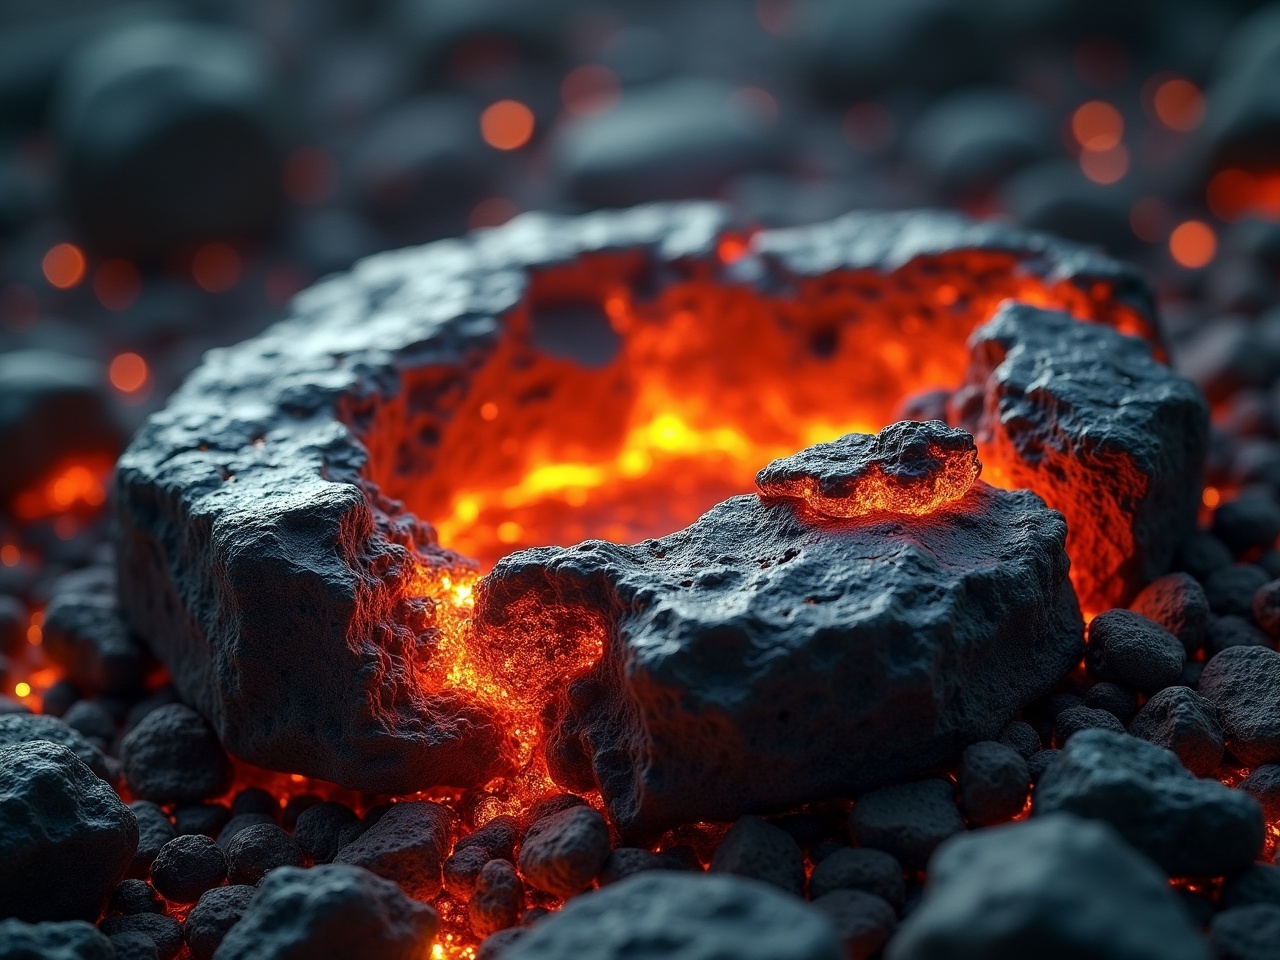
column 63, row 265
column 1193, row 244
column 507, row 125
column 128, row 372
column 1097, row 125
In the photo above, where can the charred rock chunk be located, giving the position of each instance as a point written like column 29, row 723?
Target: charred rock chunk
column 16, row 728
column 213, row 916
column 1190, row 827
column 1230, row 590
column 1259, row 884
column 85, row 635
column 1125, row 647
column 1022, row 737
column 907, row 821
column 693, row 917
column 498, row 900
column 1249, row 521
column 461, row 870
column 863, row 922
column 1093, row 423
column 164, row 932
column 134, row 896
column 406, row 845
column 187, row 866
column 628, row 861
column 172, row 756
column 1231, row 631
column 154, row 831
column 1263, row 784
column 1075, row 719
column 318, row 828
column 561, row 854
column 133, row 945
column 761, row 851
column 761, row 657
column 1242, row 683
column 71, row 940
column 494, row 946
column 256, row 851
column 204, row 818
column 1181, row 720
column 1246, row 933
column 994, row 781
column 1071, row 887
column 236, row 825
column 1119, row 701
column 255, row 800
column 66, row 839
column 872, row 871
column 1266, row 608
column 1040, row 762
column 1176, row 602
column 333, row 910
column 91, row 719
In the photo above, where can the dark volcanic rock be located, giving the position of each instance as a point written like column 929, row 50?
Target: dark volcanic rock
column 1266, row 608
column 407, row 844
column 1230, row 590
column 1246, row 933
column 163, row 931
column 872, row 871
column 1049, row 887
column 318, row 828
column 690, row 917
column 70, row 940
column 1259, row 884
column 154, row 830
column 187, row 866
column 1242, row 683
column 225, row 579
column 798, row 657
column 134, row 896
column 1088, row 419
column 173, row 756
column 1190, row 827
column 333, row 910
column 205, row 818
column 994, row 781
column 1263, row 784
column 1181, row 720
column 85, row 635
column 761, row 851
column 561, row 854
column 217, row 912
column 1176, row 602
column 863, row 922
column 1119, row 701
column 66, row 839
column 1074, row 719
column 1125, row 647
column 1022, row 737
column 18, row 728
column 628, row 861
column 1231, row 631
column 256, row 851
column 236, row 825
column 907, row 821
column 498, row 899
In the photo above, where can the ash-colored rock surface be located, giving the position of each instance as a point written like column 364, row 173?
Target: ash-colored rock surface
column 760, row 657
column 1087, row 418
column 84, row 634
column 261, row 553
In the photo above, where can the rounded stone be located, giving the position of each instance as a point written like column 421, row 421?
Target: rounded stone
column 187, row 866
column 1241, row 682
column 1125, row 647
column 1181, row 720
column 994, row 782
column 257, row 850
column 216, row 912
column 561, row 854
column 860, row 868
column 172, row 756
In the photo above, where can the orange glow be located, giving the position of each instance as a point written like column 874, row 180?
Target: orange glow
column 1179, row 105
column 22, row 689
column 10, row 555
column 63, row 265
column 507, row 125
column 1211, row 497
column 1105, row 166
column 1193, row 244
column 590, row 89
column 1234, row 194
column 128, row 372
column 116, row 284
column 216, row 267
column 1097, row 125
column 75, row 485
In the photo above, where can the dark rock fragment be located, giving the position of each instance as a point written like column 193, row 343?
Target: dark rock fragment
column 1119, row 701
column 255, row 800
column 1125, row 647
column 1241, row 682
column 1266, row 608
column 994, row 781
column 1102, row 431
column 1022, row 737
column 1190, row 827
column 860, row 868
column 1231, row 631
column 1176, row 602
column 257, row 850
column 498, row 900
column 163, row 931
column 85, row 635
column 333, row 910
column 172, row 756
column 187, row 866
column 756, row 849
column 1246, row 933
column 1260, row 883
column 154, row 831
column 460, row 870
column 1069, row 887
column 69, row 940
column 1230, row 590
column 1071, row 721
column 13, row 624
column 549, row 806
column 1263, row 784
column 318, row 828
column 624, row 862
column 66, row 839
column 134, row 896
column 493, row 947
column 561, row 854
column 235, row 825
column 692, row 917
column 16, row 728
column 217, row 911
column 134, row 945
column 91, row 719
column 204, row 818
column 907, row 821
column 1039, row 763
column 863, row 922
column 1181, row 720
column 295, row 806
column 1200, row 554
column 1249, row 521
column 406, row 845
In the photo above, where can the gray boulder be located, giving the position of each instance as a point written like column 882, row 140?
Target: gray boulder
column 1190, row 827
column 1054, row 888
column 18, row 728
column 681, row 916
column 69, row 940
column 407, row 844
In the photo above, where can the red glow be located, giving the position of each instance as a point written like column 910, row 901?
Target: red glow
column 1097, row 125
column 75, row 485
column 507, row 125
column 1179, row 104
column 1233, row 194
column 63, row 265
column 1193, row 244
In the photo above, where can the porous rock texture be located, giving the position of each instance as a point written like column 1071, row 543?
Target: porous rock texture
column 1056, row 888
column 761, row 657
column 69, row 940
column 261, row 554
column 83, row 634
column 681, row 916
column 1091, row 421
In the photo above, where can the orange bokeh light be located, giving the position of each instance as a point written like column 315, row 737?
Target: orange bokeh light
column 1097, row 125
column 77, row 484
column 1179, row 104
column 116, row 284
column 64, row 265
column 216, row 267
column 507, row 125
column 128, row 372
column 1193, row 244
column 1105, row 166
